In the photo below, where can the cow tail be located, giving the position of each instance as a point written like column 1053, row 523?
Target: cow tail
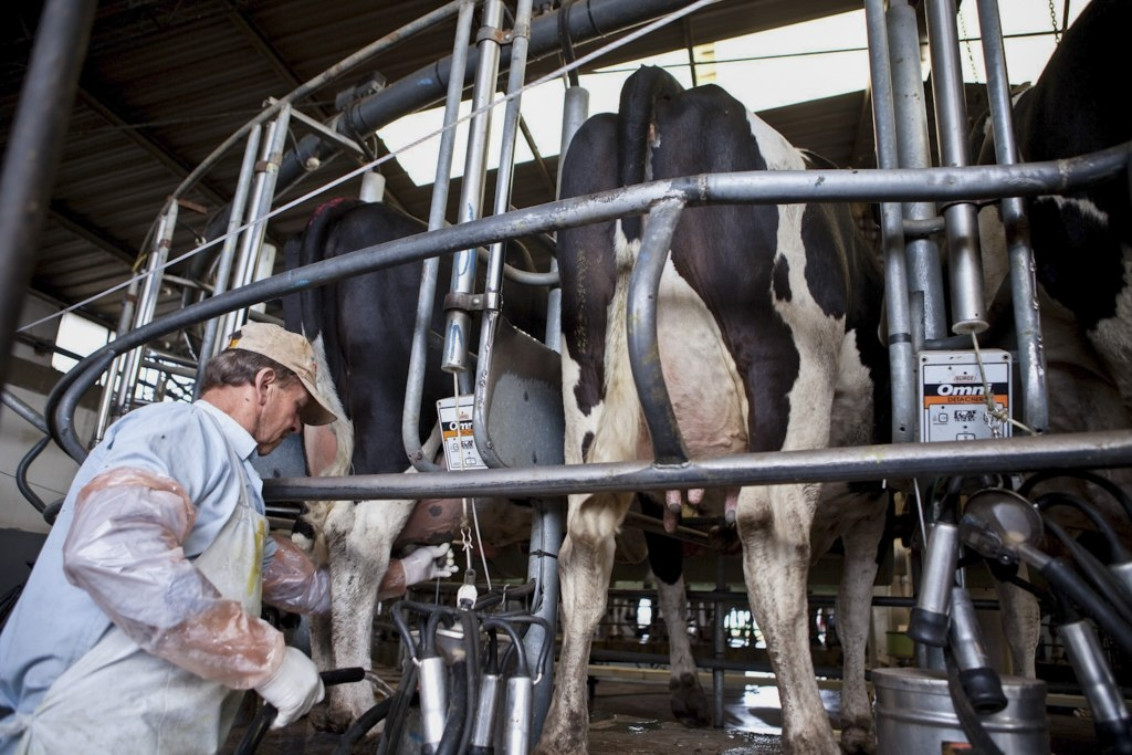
column 313, row 248
column 643, row 92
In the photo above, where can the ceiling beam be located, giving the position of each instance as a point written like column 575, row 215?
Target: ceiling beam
column 72, row 223
column 91, row 95
column 45, row 291
column 267, row 51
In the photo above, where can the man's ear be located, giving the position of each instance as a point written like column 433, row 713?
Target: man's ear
column 264, row 379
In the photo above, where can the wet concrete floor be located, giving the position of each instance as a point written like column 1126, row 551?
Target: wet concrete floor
column 633, row 718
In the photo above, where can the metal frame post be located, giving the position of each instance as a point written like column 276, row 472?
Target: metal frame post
column 147, row 304
column 208, row 346
column 458, row 318
column 1027, row 318
column 430, row 267
column 968, row 309
column 263, row 194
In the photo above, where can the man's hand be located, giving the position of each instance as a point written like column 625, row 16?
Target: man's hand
column 428, row 562
column 293, row 689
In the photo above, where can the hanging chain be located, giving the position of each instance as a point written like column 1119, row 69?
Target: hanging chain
column 1053, row 23
column 467, row 594
column 967, row 46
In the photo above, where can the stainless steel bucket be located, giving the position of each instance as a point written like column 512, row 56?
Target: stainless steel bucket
column 915, row 714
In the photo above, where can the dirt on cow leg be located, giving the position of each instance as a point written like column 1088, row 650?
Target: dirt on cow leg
column 689, row 703
column 858, row 737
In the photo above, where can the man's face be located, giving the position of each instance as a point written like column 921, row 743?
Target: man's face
column 280, row 415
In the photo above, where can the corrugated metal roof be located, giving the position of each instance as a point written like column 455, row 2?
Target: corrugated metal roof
column 166, row 81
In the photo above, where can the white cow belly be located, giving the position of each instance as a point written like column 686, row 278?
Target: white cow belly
column 703, row 383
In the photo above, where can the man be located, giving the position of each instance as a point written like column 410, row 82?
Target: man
column 139, row 628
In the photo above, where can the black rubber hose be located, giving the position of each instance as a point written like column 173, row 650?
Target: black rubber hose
column 471, row 667
column 547, row 646
column 1063, row 579
column 457, row 711
column 395, row 721
column 521, row 666
column 22, row 474
column 1116, row 548
column 1104, row 483
column 977, row 736
column 361, row 727
column 263, row 720
column 1095, row 572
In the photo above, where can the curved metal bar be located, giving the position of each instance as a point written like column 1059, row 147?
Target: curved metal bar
column 776, row 187
column 895, row 461
column 644, row 351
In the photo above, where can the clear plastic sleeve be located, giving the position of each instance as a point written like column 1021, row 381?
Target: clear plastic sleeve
column 124, row 549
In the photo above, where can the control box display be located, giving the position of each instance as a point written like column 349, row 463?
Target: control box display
column 460, row 450
column 953, row 395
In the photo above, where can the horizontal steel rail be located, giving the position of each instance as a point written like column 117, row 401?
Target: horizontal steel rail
column 956, row 184
column 877, row 462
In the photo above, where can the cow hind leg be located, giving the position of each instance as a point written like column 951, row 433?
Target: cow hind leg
column 854, row 611
column 666, row 561
column 689, row 703
column 585, row 563
column 774, row 526
column 1021, row 625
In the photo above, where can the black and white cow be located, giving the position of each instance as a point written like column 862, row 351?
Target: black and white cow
column 1082, row 241
column 767, row 321
column 363, row 326
column 1082, row 245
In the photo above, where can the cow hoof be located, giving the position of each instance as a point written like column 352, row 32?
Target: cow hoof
column 324, row 718
column 689, row 703
column 858, row 740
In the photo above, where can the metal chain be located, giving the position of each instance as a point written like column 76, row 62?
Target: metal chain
column 967, row 46
column 1053, row 23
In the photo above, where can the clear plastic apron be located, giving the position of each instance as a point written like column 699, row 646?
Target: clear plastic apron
column 120, row 699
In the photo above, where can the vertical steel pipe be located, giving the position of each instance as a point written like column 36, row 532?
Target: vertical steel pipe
column 263, row 194
column 718, row 643
column 34, row 147
column 426, row 298
column 968, row 310
column 520, row 38
column 208, row 346
column 114, row 374
column 458, row 320
column 901, row 350
column 547, row 532
column 1024, row 289
column 147, row 303
column 925, row 273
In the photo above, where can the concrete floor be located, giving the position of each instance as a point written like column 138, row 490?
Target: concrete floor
column 632, row 718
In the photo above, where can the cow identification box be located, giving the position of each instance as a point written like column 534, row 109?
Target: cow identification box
column 460, row 450
column 953, row 394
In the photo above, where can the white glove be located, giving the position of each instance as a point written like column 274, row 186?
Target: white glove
column 293, row 688
column 428, row 562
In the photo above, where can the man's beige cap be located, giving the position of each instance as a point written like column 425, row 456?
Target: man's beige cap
column 294, row 352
